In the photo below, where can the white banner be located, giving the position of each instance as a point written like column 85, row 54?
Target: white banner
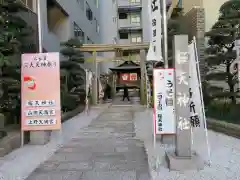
column 156, row 29
column 164, row 100
column 196, row 115
column 88, row 80
column 197, row 111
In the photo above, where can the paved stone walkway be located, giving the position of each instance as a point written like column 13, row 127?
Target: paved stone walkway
column 105, row 150
column 133, row 96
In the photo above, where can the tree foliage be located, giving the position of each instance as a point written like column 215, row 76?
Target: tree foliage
column 14, row 40
column 72, row 75
column 71, row 50
column 221, row 53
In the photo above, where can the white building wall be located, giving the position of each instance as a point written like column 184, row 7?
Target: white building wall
column 110, row 24
column 63, row 32
column 145, row 22
column 108, row 30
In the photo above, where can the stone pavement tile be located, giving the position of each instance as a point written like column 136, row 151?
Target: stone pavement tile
column 143, row 175
column 75, row 166
column 114, row 175
column 48, row 166
column 64, row 157
column 108, row 157
column 106, row 150
column 87, row 150
column 121, row 166
column 65, row 175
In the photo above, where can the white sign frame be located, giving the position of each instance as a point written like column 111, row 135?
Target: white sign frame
column 160, row 77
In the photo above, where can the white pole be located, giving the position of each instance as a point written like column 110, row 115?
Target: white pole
column 146, row 86
column 202, row 103
column 165, row 39
column 154, row 145
column 192, row 135
column 40, row 46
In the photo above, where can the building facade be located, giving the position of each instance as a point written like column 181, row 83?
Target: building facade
column 211, row 9
column 123, row 22
column 62, row 20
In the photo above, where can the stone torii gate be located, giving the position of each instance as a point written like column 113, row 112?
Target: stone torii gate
column 118, row 49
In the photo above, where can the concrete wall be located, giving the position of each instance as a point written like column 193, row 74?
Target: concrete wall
column 110, row 25
column 128, row 22
column 78, row 15
column 129, row 3
column 145, row 22
column 64, row 30
column 108, row 30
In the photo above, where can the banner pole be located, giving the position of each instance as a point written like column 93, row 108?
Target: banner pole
column 202, row 102
column 165, row 38
column 40, row 46
column 22, row 138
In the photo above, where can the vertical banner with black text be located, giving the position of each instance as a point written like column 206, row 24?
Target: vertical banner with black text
column 156, row 30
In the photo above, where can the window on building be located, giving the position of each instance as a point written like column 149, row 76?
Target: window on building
column 89, row 12
column 81, row 3
column 125, row 53
column 135, row 1
column 114, row 19
column 123, row 15
column 137, row 39
column 123, row 35
column 78, row 32
column 135, row 19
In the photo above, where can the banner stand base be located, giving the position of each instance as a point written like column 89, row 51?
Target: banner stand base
column 177, row 163
column 168, row 139
column 39, row 137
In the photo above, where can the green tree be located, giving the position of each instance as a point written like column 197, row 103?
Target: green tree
column 73, row 63
column 72, row 75
column 221, row 53
column 71, row 52
column 14, row 33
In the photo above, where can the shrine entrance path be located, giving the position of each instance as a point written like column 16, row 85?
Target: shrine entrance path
column 133, row 96
column 105, row 150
